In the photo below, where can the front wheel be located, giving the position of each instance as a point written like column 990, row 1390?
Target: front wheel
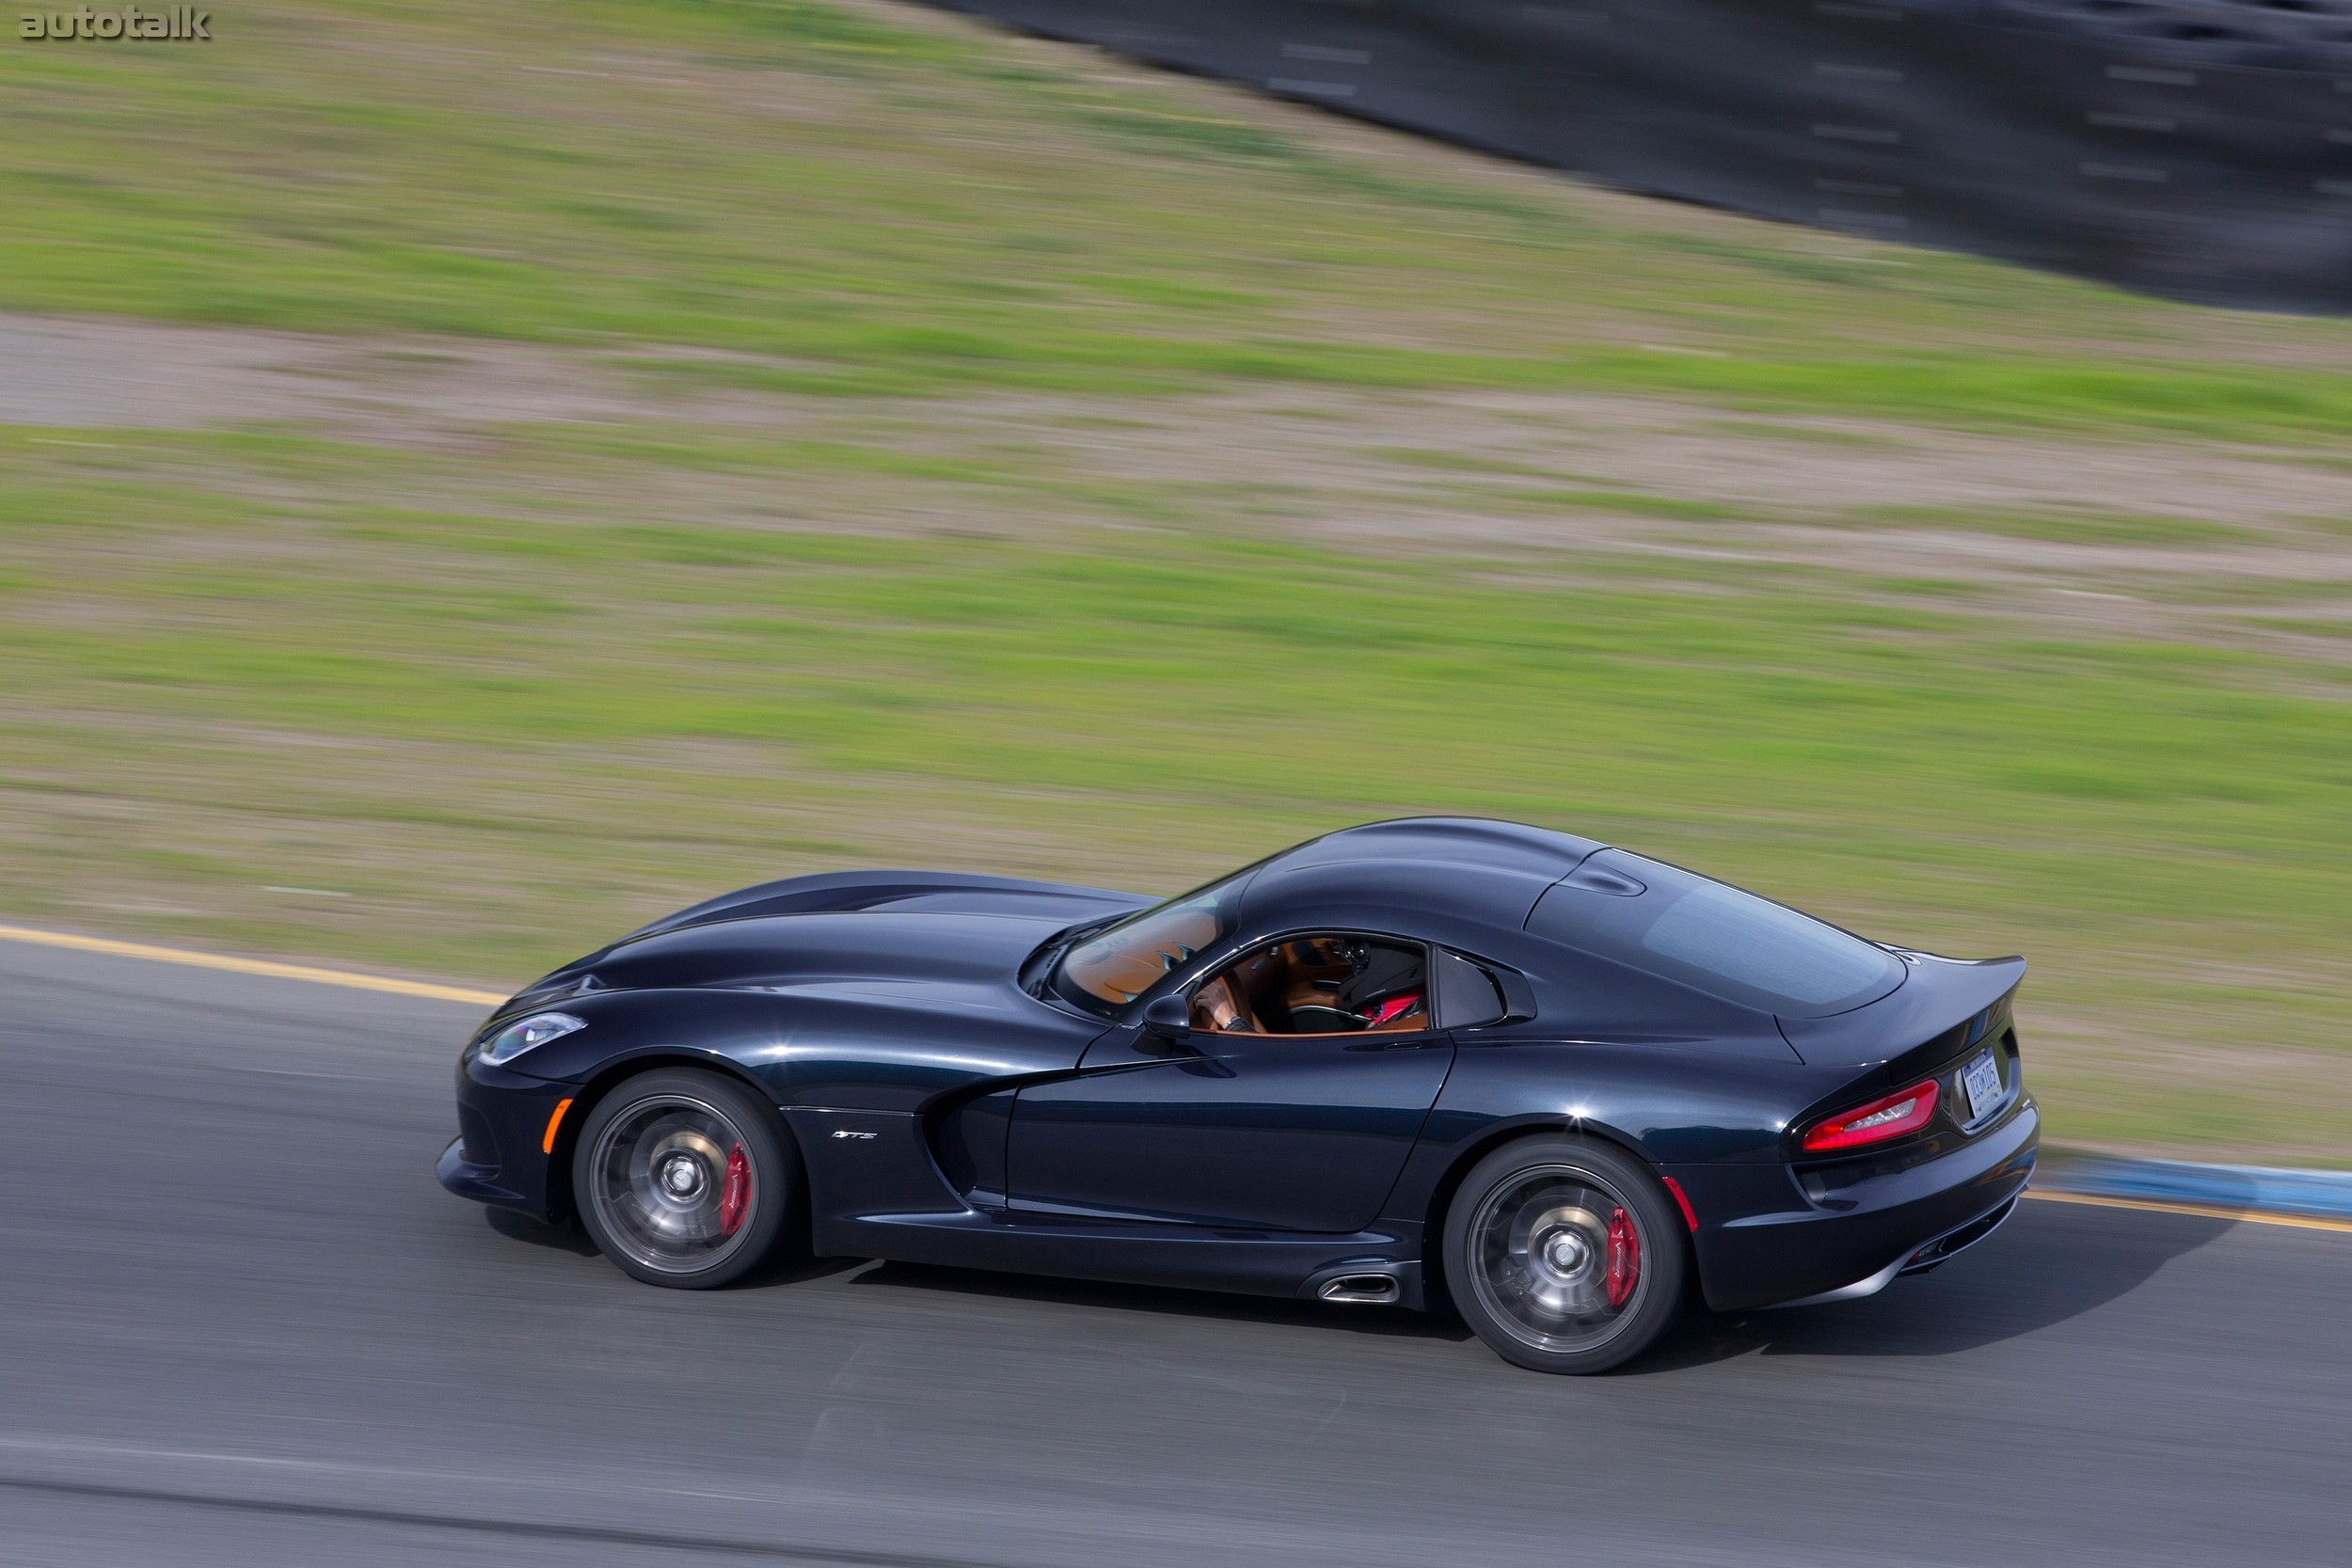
column 1565, row 1255
column 683, row 1178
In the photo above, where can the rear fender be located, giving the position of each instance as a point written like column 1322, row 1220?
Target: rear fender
column 1667, row 1107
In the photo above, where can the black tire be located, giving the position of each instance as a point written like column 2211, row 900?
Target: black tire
column 1565, row 1255
column 654, row 1169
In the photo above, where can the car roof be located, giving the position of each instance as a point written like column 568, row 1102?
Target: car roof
column 1470, row 867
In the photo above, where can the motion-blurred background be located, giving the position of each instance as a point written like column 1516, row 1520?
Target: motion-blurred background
column 476, row 476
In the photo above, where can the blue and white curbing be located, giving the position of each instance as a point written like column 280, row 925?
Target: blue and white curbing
column 2260, row 1189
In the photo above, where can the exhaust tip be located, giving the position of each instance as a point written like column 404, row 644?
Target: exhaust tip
column 1367, row 1290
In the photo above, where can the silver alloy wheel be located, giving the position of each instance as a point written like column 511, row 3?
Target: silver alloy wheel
column 672, row 1182
column 1556, row 1258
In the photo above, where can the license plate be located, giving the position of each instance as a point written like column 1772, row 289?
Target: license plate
column 1982, row 1079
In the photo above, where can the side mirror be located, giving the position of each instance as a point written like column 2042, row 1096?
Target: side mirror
column 1170, row 1017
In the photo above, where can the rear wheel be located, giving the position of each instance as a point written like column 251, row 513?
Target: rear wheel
column 1565, row 1255
column 683, row 1178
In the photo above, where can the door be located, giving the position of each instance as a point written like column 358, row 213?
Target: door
column 1292, row 1105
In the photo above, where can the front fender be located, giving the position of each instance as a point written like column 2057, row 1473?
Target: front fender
column 857, row 1048
column 744, row 1029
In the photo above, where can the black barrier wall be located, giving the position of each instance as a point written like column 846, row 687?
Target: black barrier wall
column 2200, row 148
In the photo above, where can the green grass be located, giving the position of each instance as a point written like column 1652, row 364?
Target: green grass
column 880, row 204
column 515, row 687
column 609, row 714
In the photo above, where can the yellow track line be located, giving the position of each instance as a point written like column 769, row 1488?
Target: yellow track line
column 249, row 966
column 2204, row 1211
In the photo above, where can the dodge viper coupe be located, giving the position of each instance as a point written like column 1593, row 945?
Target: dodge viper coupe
column 1565, row 1088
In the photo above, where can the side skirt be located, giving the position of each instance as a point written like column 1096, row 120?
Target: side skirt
column 1267, row 1263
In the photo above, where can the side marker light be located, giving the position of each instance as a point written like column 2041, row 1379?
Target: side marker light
column 1690, row 1215
column 547, row 1145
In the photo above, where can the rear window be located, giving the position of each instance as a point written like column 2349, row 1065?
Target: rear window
column 1714, row 937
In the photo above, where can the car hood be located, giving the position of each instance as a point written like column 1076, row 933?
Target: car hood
column 860, row 929
column 874, row 1010
column 905, row 892
column 797, row 951
column 878, row 926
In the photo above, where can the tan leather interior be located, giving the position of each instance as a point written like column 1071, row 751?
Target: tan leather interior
column 1123, row 965
column 1296, row 987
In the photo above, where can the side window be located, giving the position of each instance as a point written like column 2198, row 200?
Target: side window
column 1320, row 985
column 1467, row 994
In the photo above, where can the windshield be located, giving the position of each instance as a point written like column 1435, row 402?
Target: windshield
column 1713, row 935
column 1110, row 969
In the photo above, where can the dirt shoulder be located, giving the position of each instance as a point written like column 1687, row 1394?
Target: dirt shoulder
column 2154, row 537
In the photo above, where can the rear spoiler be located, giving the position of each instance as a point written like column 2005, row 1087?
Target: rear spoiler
column 1937, row 996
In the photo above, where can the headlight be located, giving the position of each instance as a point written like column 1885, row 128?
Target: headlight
column 516, row 1038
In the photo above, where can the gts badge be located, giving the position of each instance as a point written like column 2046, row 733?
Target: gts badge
column 844, row 1132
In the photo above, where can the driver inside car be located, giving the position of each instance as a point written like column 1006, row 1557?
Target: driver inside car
column 1330, row 984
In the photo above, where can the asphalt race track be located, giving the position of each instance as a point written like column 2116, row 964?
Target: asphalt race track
column 240, row 1324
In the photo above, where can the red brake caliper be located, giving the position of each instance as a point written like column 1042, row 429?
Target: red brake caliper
column 1624, row 1257
column 736, row 1195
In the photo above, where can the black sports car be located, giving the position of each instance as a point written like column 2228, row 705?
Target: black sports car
column 1558, row 1084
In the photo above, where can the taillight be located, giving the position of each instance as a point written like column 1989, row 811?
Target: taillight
column 1904, row 1111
